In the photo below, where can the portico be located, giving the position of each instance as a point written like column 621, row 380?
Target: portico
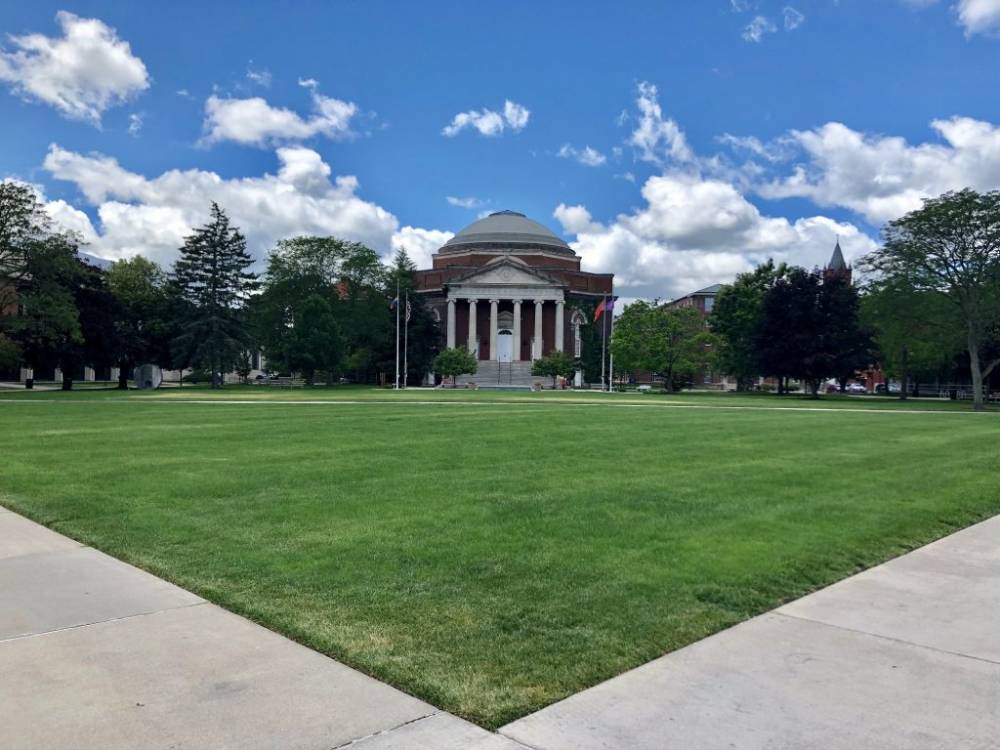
column 480, row 315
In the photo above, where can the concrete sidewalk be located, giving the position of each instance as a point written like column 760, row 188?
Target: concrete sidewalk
column 95, row 653
column 905, row 655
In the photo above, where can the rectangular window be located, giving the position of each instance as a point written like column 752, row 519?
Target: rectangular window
column 709, row 304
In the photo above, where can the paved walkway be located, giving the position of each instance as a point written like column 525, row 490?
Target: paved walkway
column 905, row 655
column 97, row 654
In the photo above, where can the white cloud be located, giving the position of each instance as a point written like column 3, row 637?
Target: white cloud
column 420, row 244
column 82, row 73
column 979, row 16
column 464, row 202
column 135, row 122
column 489, row 122
column 756, row 30
column 792, row 18
column 260, row 78
column 693, row 232
column 655, row 138
column 516, row 115
column 151, row 216
column 589, row 157
column 883, row 177
column 254, row 122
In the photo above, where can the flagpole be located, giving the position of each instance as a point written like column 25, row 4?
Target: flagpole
column 406, row 336
column 611, row 357
column 397, row 333
column 604, row 336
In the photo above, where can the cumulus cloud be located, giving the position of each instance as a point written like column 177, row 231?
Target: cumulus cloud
column 82, row 73
column 489, row 122
column 758, row 28
column 657, row 139
column 883, row 177
column 589, row 157
column 420, row 244
column 692, row 232
column 979, row 16
column 254, row 122
column 151, row 216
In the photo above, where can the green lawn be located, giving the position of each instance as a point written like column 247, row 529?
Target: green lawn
column 492, row 553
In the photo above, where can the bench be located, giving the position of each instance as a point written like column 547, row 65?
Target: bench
column 286, row 382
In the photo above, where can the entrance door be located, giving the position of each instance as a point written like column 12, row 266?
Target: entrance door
column 505, row 345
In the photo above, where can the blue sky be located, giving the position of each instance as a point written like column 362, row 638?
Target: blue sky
column 721, row 132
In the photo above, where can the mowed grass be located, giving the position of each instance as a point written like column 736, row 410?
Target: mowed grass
column 490, row 553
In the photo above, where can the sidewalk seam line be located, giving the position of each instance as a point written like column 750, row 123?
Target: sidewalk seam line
column 436, row 712
column 101, row 622
column 887, row 638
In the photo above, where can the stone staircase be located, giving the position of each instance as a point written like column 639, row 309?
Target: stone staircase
column 493, row 374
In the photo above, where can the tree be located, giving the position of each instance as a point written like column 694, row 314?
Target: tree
column 23, row 224
column 951, row 248
column 849, row 345
column 144, row 324
column 423, row 334
column 671, row 341
column 316, row 344
column 557, row 364
column 47, row 328
column 211, row 275
column 454, row 362
column 914, row 331
column 809, row 329
column 735, row 317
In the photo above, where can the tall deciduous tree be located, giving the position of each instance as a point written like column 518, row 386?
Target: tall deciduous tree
column 23, row 224
column 951, row 248
column 915, row 332
column 671, row 341
column 212, row 277
column 47, row 328
column 809, row 329
column 735, row 318
column 145, row 321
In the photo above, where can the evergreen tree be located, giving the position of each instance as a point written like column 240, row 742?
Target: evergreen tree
column 211, row 276
column 424, row 334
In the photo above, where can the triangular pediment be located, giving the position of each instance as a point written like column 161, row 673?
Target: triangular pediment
column 506, row 271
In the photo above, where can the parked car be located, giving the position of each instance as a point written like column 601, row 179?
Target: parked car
column 856, row 388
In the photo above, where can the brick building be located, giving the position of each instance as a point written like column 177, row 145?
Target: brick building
column 510, row 290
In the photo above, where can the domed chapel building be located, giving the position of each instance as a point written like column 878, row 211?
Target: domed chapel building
column 510, row 290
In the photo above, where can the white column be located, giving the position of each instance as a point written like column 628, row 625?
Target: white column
column 451, row 324
column 517, row 330
column 559, row 325
column 493, row 329
column 473, row 343
column 536, row 347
